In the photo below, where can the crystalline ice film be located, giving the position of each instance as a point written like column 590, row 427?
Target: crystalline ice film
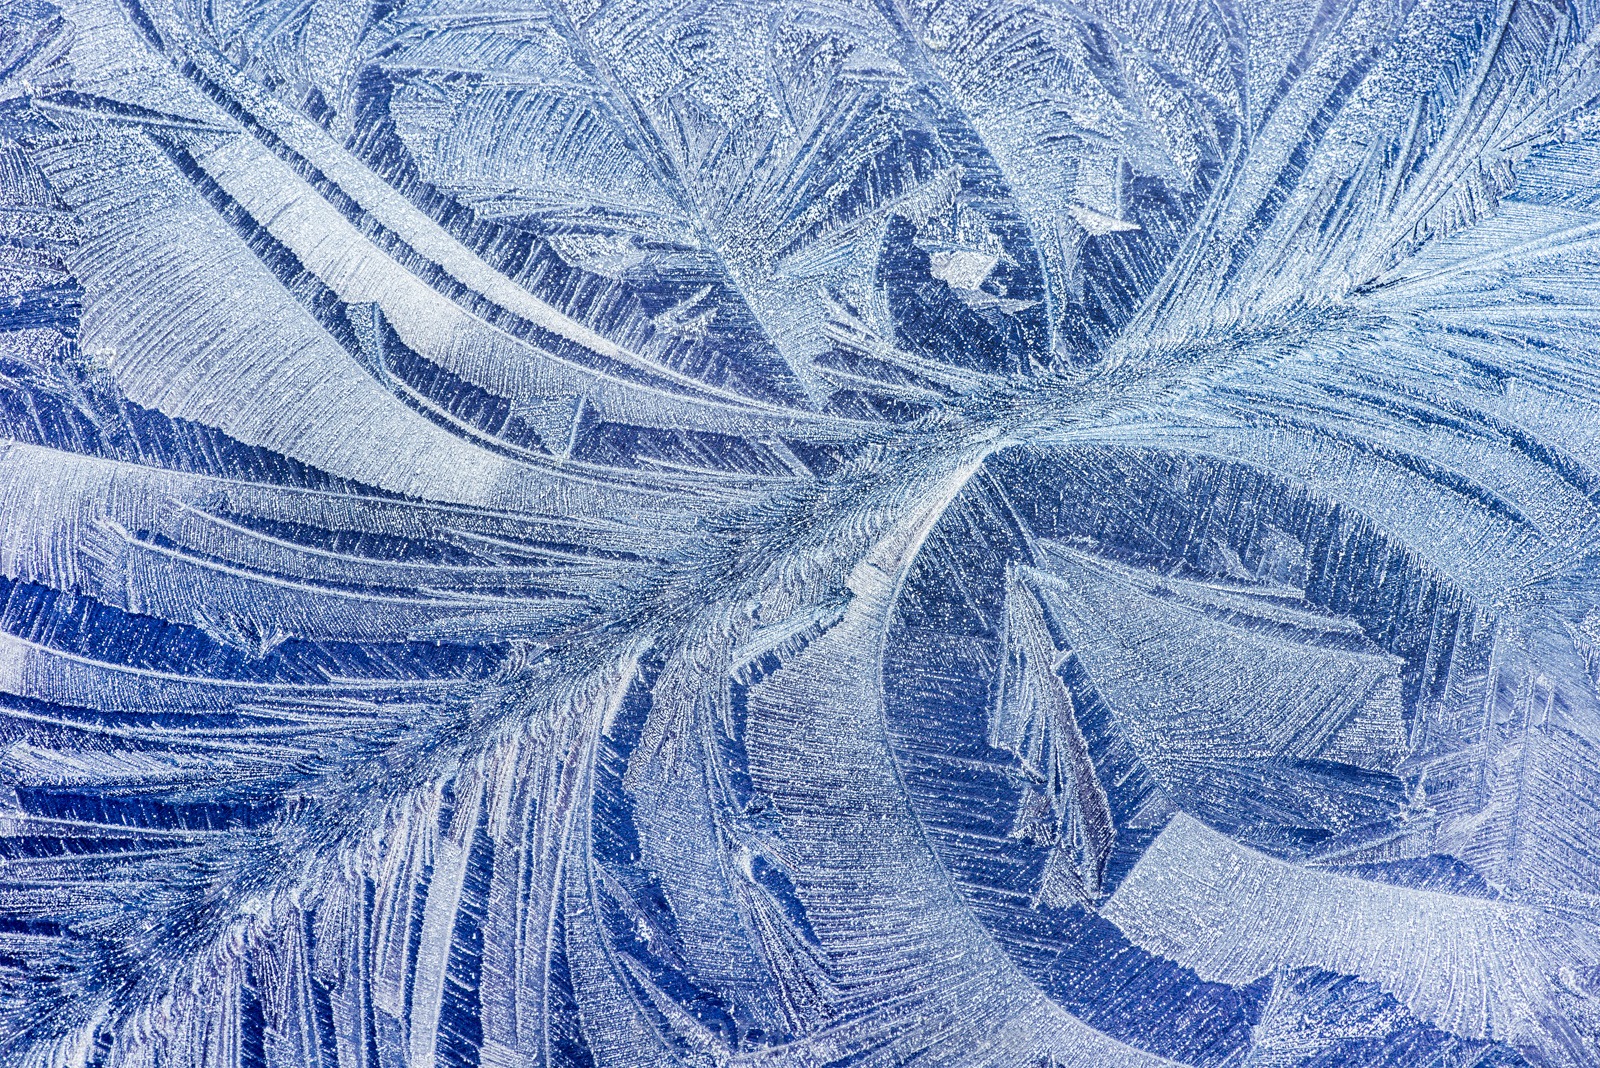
column 799, row 533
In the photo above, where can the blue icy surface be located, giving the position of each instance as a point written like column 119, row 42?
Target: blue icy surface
column 555, row 533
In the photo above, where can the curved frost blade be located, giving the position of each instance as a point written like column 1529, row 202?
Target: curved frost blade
column 1471, row 966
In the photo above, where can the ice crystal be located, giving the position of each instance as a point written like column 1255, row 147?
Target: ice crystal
column 799, row 533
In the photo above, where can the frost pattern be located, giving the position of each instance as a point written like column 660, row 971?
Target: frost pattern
column 799, row 533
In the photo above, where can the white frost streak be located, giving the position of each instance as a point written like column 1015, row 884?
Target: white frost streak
column 427, row 237
column 1476, row 968
column 451, row 856
column 1239, row 692
column 266, row 373
column 332, row 248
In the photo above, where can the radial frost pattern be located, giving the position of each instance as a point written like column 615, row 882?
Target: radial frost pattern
column 799, row 533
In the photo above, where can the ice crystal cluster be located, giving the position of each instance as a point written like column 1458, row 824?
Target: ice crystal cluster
column 799, row 533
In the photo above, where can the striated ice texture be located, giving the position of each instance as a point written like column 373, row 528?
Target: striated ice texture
column 799, row 533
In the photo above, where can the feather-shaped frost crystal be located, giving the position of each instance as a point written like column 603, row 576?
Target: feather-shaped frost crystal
column 586, row 533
